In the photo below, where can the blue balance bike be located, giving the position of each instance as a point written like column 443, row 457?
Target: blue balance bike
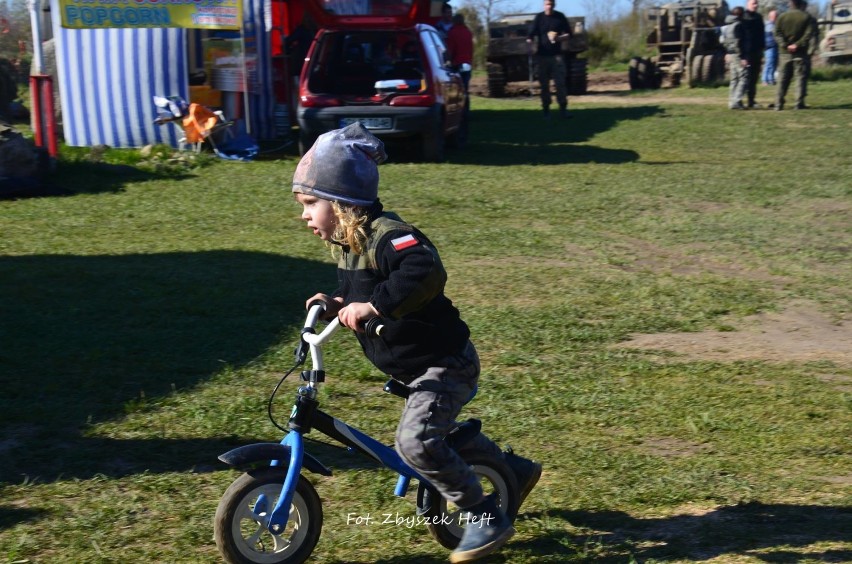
column 272, row 513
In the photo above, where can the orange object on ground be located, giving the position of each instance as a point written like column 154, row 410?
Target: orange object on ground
column 199, row 123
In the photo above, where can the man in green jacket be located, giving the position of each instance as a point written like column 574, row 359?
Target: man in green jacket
column 796, row 34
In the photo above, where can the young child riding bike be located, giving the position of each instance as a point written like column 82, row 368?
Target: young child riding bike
column 387, row 268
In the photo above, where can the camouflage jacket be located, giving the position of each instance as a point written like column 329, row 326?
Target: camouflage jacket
column 401, row 274
column 731, row 36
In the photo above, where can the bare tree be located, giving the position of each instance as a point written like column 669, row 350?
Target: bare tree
column 599, row 12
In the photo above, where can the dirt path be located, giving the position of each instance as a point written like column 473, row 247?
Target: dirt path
column 603, row 88
column 801, row 332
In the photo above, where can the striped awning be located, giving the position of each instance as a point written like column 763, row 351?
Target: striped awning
column 107, row 79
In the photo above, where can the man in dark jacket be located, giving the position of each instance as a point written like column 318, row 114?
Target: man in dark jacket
column 548, row 29
column 753, row 42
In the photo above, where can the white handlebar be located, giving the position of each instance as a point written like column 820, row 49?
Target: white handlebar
column 318, row 339
column 314, row 340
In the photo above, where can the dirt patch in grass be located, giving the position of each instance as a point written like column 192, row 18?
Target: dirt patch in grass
column 671, row 447
column 799, row 333
column 604, row 87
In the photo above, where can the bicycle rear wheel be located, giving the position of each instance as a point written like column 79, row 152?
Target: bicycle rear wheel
column 445, row 520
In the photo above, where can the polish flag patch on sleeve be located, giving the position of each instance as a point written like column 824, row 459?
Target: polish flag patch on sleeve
column 404, row 242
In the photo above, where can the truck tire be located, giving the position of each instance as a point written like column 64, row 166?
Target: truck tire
column 576, row 77
column 496, row 80
column 642, row 74
column 653, row 76
column 719, row 66
column 708, row 69
column 633, row 73
column 695, row 71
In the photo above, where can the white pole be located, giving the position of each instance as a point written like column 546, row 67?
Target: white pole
column 35, row 23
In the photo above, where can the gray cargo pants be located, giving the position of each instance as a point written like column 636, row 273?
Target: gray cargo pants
column 737, row 85
column 437, row 396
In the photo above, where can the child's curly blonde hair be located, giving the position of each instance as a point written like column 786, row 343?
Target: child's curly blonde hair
column 351, row 228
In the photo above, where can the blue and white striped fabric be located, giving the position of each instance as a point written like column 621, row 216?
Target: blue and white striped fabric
column 108, row 78
column 107, row 81
column 262, row 100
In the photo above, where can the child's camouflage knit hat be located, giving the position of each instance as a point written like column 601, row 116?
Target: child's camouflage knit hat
column 342, row 166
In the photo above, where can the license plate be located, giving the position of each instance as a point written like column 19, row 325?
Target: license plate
column 369, row 123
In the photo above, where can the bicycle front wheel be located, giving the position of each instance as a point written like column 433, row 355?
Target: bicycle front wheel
column 240, row 534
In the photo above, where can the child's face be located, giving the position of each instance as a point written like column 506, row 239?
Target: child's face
column 319, row 215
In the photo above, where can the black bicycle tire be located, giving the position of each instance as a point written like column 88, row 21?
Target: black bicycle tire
column 450, row 535
column 240, row 492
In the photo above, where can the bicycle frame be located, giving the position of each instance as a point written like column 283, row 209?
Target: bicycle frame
column 304, row 417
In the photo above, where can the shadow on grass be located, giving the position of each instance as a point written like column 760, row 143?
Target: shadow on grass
column 81, row 177
column 10, row 515
column 525, row 137
column 831, row 107
column 746, row 530
column 84, row 338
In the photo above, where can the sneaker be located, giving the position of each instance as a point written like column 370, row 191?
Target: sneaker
column 801, row 107
column 737, row 106
column 546, row 112
column 487, row 530
column 754, row 106
column 527, row 472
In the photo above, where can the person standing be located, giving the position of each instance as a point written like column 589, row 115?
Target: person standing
column 753, row 46
column 795, row 33
column 770, row 54
column 446, row 22
column 548, row 29
column 460, row 48
column 732, row 42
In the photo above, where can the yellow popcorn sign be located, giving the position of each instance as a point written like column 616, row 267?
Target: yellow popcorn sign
column 198, row 14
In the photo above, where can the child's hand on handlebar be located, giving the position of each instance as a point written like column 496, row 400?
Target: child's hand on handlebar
column 356, row 314
column 332, row 305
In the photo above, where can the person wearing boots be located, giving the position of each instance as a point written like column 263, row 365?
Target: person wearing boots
column 796, row 34
column 388, row 268
column 547, row 30
column 731, row 39
column 754, row 43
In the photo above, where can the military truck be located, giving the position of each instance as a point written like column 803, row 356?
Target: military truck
column 836, row 45
column 685, row 39
column 509, row 58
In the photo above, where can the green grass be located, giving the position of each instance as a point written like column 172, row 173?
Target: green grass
column 146, row 318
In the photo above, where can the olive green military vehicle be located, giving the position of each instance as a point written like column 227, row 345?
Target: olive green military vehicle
column 685, row 39
column 836, row 45
column 509, row 58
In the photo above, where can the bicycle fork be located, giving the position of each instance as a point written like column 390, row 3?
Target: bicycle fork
column 276, row 521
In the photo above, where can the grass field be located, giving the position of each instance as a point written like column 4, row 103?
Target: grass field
column 145, row 319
